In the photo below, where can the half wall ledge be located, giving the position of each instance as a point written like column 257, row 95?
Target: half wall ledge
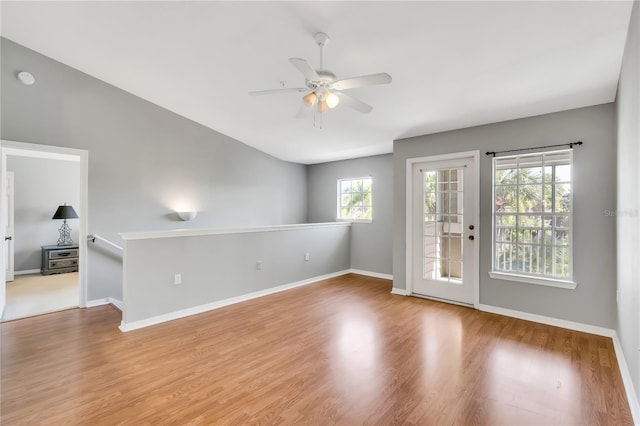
column 173, row 273
column 144, row 235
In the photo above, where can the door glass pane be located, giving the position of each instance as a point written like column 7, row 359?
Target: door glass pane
column 431, row 270
column 443, row 225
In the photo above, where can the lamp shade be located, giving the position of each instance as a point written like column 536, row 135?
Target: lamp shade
column 310, row 99
column 187, row 216
column 322, row 106
column 65, row 212
column 332, row 100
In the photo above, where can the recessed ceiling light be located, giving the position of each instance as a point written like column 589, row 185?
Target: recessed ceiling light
column 26, row 77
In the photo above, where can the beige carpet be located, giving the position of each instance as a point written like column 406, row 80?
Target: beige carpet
column 37, row 294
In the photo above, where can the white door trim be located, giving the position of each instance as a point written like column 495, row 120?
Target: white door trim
column 60, row 153
column 10, row 220
column 409, row 216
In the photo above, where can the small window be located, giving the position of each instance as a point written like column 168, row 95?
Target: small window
column 532, row 215
column 354, row 199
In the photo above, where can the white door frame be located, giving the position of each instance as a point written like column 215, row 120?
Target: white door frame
column 409, row 217
column 58, row 153
column 9, row 222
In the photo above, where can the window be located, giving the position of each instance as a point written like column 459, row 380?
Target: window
column 442, row 227
column 532, row 216
column 354, row 199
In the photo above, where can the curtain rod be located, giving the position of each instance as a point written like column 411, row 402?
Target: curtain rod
column 570, row 145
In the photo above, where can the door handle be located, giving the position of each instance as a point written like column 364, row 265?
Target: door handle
column 471, row 237
column 8, row 238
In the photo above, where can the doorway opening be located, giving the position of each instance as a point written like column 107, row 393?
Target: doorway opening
column 43, row 272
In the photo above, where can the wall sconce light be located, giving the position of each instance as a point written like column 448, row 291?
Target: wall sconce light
column 187, row 216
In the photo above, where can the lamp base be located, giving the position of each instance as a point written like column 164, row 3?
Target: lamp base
column 65, row 235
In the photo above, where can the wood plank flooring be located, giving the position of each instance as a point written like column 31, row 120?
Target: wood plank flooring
column 342, row 351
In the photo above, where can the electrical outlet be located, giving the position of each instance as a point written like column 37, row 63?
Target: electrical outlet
column 306, row 257
column 177, row 279
column 259, row 265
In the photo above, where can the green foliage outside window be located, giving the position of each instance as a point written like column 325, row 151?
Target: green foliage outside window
column 355, row 199
column 532, row 214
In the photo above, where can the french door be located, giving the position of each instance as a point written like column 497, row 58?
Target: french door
column 444, row 232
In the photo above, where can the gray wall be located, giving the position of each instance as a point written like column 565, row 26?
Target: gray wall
column 218, row 267
column 371, row 243
column 628, row 126
column 144, row 161
column 593, row 301
column 40, row 186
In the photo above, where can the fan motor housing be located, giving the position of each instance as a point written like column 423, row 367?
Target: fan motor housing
column 326, row 78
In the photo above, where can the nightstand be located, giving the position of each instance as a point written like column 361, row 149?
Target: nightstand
column 59, row 259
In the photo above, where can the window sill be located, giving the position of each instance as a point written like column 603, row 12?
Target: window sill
column 355, row 220
column 569, row 285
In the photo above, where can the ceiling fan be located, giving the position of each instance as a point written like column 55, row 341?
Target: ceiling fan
column 324, row 88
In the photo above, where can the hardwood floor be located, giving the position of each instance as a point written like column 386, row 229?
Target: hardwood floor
column 342, row 351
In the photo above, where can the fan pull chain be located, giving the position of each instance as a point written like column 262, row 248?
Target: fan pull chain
column 314, row 119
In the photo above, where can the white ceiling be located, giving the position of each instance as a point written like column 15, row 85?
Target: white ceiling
column 454, row 64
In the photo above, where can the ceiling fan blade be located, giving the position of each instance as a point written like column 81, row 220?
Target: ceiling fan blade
column 304, row 67
column 365, row 80
column 272, row 91
column 354, row 103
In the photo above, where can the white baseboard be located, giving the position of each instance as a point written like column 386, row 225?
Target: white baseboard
column 27, row 272
column 627, row 381
column 117, row 303
column 399, row 291
column 97, row 302
column 371, row 274
column 134, row 325
column 105, row 301
column 571, row 325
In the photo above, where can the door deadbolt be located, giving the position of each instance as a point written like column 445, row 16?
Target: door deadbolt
column 472, row 227
column 471, row 237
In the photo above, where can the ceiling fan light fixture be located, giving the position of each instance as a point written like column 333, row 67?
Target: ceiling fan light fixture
column 322, row 106
column 332, row 100
column 310, row 99
column 321, row 86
